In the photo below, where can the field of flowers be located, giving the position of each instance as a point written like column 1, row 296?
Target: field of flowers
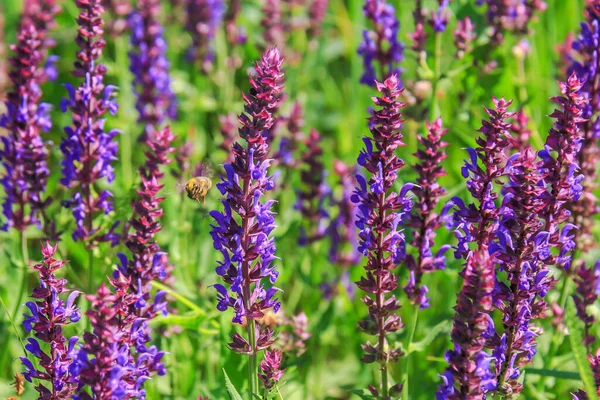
column 299, row 199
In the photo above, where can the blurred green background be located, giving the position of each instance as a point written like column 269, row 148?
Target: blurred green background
column 325, row 81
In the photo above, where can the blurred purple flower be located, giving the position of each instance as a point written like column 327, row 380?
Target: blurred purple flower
column 203, row 18
column 511, row 16
column 24, row 155
column 587, row 280
column 423, row 221
column 48, row 314
column 380, row 213
column 87, row 149
column 244, row 241
column 315, row 193
column 316, row 14
column 464, row 35
column 155, row 101
column 380, row 49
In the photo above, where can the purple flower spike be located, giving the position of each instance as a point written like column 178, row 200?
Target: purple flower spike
column 242, row 231
column 560, row 162
column 423, row 220
column 588, row 290
column 23, row 154
column 584, row 63
column 155, row 101
column 468, row 375
column 316, row 15
column 270, row 367
column 380, row 63
column 49, row 313
column 88, row 150
column 464, row 35
column 315, row 193
column 203, row 19
column 380, row 212
column 521, row 298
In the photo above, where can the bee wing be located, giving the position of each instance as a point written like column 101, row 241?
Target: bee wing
column 179, row 187
column 205, row 168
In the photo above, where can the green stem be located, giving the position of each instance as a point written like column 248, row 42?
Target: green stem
column 90, row 270
column 409, row 340
column 252, row 362
column 434, row 109
column 556, row 335
column 25, row 254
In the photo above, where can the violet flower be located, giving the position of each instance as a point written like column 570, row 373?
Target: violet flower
column 24, row 155
column 147, row 263
column 380, row 49
column 468, row 375
column 520, row 132
column 228, row 128
column 242, row 230
column 587, row 280
column 314, row 194
column 519, row 253
column 48, row 314
column 380, row 213
column 270, row 368
column 464, row 35
column 104, row 363
column 87, row 149
column 203, row 18
column 117, row 21
column 274, row 31
column 439, row 17
column 419, row 36
column 343, row 248
column 155, row 101
column 510, row 16
column 423, row 220
column 236, row 34
column 288, row 145
column 584, row 63
column 563, row 178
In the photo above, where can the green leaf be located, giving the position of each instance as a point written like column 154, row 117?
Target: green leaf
column 579, row 351
column 233, row 393
column 568, row 375
column 442, row 327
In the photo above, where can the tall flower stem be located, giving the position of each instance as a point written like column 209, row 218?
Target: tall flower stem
column 434, row 110
column 90, row 270
column 253, row 359
column 409, row 340
column 25, row 254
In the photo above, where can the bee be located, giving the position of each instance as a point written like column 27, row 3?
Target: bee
column 197, row 188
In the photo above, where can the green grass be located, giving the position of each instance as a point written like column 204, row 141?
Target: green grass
column 325, row 81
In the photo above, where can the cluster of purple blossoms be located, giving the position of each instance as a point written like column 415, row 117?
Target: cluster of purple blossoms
column 584, row 63
column 270, row 368
column 315, row 193
column 203, row 18
column 117, row 21
column 87, row 149
column 380, row 49
column 468, row 373
column 49, row 313
column 228, row 129
column 115, row 360
column 242, row 231
column 274, row 31
column 519, row 253
column 316, row 15
column 155, row 101
column 288, row 145
column 519, row 131
column 464, row 35
column 24, row 155
column 587, row 280
column 380, row 214
column 42, row 14
column 236, row 34
column 423, row 221
column 438, row 20
column 343, row 248
column 512, row 16
column 104, row 363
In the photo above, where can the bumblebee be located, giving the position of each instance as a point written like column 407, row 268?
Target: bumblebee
column 197, row 188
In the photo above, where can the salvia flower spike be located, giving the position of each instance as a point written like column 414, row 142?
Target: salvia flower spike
column 48, row 313
column 380, row 214
column 88, row 150
column 242, row 231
